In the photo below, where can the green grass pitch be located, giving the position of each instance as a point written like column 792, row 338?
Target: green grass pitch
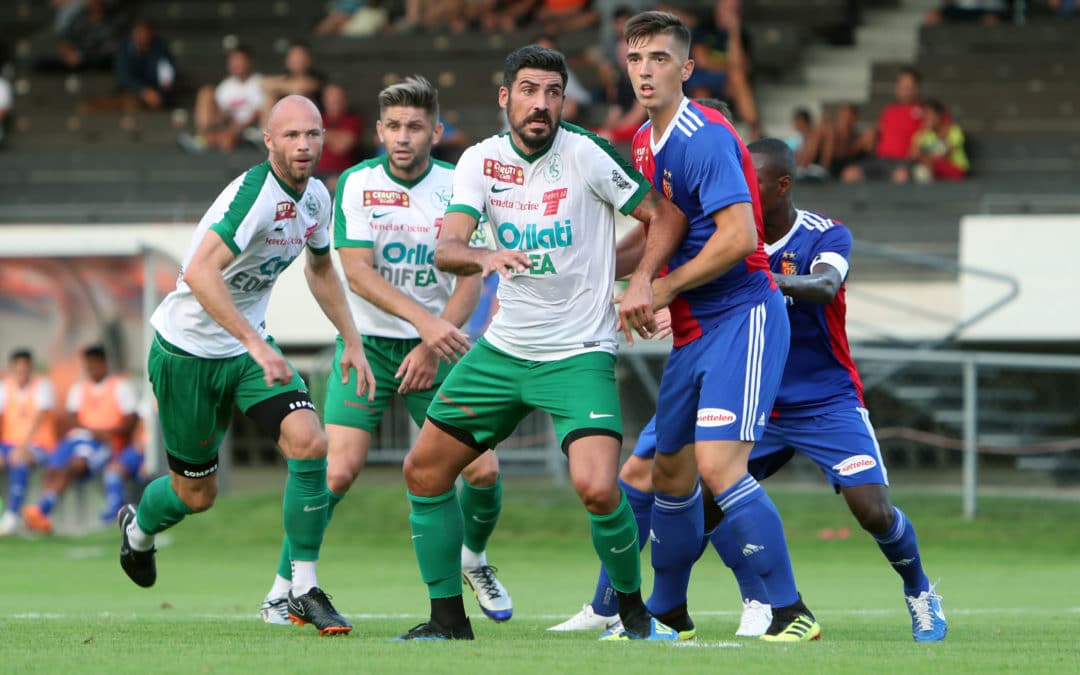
column 1011, row 583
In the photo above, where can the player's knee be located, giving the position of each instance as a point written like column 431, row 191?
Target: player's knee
column 199, row 500
column 424, row 479
column 483, row 471
column 308, row 446
column 637, row 473
column 598, row 497
column 875, row 516
column 340, row 478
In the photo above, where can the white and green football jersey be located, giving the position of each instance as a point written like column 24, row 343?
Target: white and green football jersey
column 266, row 224
column 399, row 221
column 558, row 206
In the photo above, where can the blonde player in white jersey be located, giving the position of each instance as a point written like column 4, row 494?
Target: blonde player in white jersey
column 212, row 351
column 387, row 215
column 550, row 191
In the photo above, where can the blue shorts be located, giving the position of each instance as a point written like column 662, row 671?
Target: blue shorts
column 646, row 441
column 721, row 387
column 40, row 455
column 80, row 444
column 842, row 443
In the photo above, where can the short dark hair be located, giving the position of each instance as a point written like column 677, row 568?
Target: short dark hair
column 246, row 50
column 645, row 25
column 717, row 105
column 94, row 352
column 778, row 152
column 299, row 43
column 412, row 92
column 533, row 56
column 21, row 353
column 912, row 71
column 804, row 113
column 935, row 105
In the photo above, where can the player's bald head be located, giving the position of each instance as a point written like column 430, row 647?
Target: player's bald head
column 775, row 155
column 293, row 109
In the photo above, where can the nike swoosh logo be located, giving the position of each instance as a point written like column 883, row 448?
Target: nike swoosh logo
column 296, row 608
column 417, row 536
column 623, row 549
column 380, row 215
column 309, row 509
column 279, row 229
column 497, row 190
column 597, row 416
column 481, row 520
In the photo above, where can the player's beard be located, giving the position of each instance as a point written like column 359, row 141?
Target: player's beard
column 420, row 155
column 297, row 175
column 535, row 140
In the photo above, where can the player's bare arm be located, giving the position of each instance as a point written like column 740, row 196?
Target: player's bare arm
column 667, row 228
column 454, row 254
column 420, row 366
column 326, row 288
column 820, row 286
column 203, row 276
column 444, row 338
column 734, row 239
column 629, row 250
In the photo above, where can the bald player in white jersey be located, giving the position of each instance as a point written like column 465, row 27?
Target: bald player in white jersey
column 211, row 351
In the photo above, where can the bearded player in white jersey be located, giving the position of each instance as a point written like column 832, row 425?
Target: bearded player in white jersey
column 387, row 214
column 211, row 351
column 550, row 191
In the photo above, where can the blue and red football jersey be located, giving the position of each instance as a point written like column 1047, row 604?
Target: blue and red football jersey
column 701, row 164
column 820, row 375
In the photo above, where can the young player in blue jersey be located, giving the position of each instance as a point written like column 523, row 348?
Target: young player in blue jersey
column 731, row 334
column 819, row 409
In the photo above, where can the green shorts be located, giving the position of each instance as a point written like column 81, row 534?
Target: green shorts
column 384, row 355
column 490, row 392
column 195, row 397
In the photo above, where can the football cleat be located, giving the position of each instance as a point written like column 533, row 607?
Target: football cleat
column 9, row 524
column 494, row 600
column 314, row 607
column 928, row 622
column 588, row 619
column 275, row 611
column 755, row 619
column 138, row 565
column 792, row 624
column 36, row 519
column 433, row 631
column 656, row 631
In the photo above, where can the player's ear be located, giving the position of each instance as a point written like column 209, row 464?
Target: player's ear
column 378, row 131
column 437, row 135
column 687, row 69
column 784, row 184
column 504, row 97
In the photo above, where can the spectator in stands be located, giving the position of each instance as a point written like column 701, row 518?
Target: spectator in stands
column 7, row 101
column 343, row 134
column 842, row 142
column 556, row 16
column 89, row 40
column 223, row 113
column 575, row 96
column 1064, row 7
column 806, row 143
column 937, row 150
column 897, row 125
column 429, row 14
column 352, row 18
column 144, row 70
column 507, row 16
column 989, row 12
column 300, row 77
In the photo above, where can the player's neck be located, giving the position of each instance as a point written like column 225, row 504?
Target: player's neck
column 283, row 177
column 661, row 118
column 410, row 175
column 526, row 151
column 777, row 227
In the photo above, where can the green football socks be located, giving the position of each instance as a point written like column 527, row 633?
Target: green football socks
column 437, row 534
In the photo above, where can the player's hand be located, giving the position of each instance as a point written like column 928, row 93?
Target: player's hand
column 636, row 309
column 353, row 357
column 663, row 323
column 275, row 368
column 446, row 340
column 418, row 370
column 506, row 263
column 662, row 293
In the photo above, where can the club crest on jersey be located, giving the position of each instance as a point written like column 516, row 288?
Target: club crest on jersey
column 665, row 184
column 504, row 173
column 311, row 208
column 386, row 198
column 552, row 199
column 788, row 267
column 854, row 465
column 441, row 198
column 285, row 211
column 553, row 172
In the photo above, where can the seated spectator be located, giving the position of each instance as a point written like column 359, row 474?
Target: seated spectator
column 90, row 38
column 556, row 16
column 806, row 143
column 224, row 112
column 1064, row 7
column 576, row 96
column 989, row 12
column 897, row 125
column 352, row 18
column 938, row 148
column 300, row 77
column 842, row 142
column 343, row 134
column 720, row 48
column 144, row 70
column 507, row 16
column 6, row 104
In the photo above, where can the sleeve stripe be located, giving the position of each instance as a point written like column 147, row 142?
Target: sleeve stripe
column 320, row 251
column 342, row 242
column 463, row 208
column 226, row 235
column 241, row 204
column 635, row 199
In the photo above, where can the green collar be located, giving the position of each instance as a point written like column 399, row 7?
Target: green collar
column 297, row 196
column 530, row 158
column 408, row 184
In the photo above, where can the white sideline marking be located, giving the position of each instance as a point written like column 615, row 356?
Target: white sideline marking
column 253, row 616
column 706, row 644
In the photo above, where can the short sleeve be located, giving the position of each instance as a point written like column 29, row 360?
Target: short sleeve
column 352, row 229
column 469, row 195
column 44, row 396
column 238, row 225
column 713, row 169
column 319, row 243
column 221, row 94
column 3, row 397
column 833, row 248
column 125, row 396
column 74, row 398
column 610, row 176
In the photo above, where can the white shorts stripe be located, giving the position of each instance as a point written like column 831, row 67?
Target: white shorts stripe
column 752, row 383
column 865, row 414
